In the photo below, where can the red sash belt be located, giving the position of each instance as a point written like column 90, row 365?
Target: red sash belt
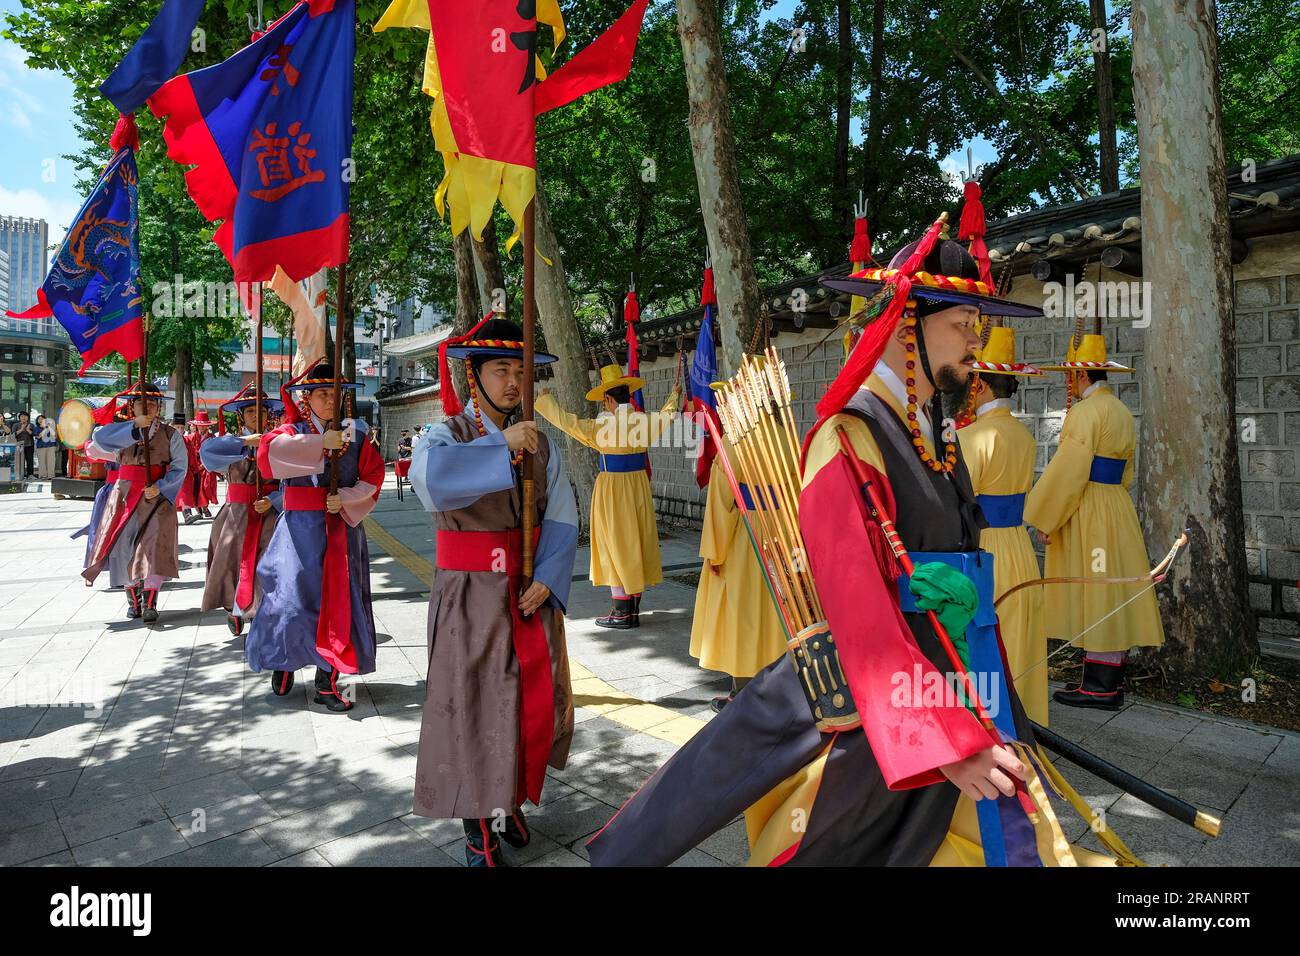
column 110, row 477
column 305, row 498
column 139, row 479
column 334, row 629
column 502, row 552
column 246, row 494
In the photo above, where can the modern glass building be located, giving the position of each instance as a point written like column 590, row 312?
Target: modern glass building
column 26, row 242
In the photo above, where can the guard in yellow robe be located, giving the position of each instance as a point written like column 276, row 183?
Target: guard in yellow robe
column 1083, row 507
column 999, row 453
column 736, row 628
column 624, row 537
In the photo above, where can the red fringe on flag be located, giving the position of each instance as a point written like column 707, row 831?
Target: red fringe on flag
column 125, row 133
column 631, row 308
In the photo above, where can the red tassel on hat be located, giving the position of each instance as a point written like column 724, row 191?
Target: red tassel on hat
column 446, row 391
column 125, row 133
column 707, row 295
column 860, row 249
column 874, row 338
column 972, row 227
column 291, row 414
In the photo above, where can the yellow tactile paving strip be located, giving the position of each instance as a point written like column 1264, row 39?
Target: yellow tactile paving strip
column 589, row 691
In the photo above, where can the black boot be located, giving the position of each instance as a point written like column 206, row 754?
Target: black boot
column 636, row 610
column 482, row 848
column 149, row 609
column 188, row 516
column 516, row 832
column 328, row 692
column 720, row 702
column 235, row 623
column 132, row 601
column 281, row 682
column 620, row 616
column 1102, row 688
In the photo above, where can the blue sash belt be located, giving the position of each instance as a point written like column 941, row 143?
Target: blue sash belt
column 623, row 463
column 1005, row 832
column 751, row 503
column 1107, row 471
column 1003, row 511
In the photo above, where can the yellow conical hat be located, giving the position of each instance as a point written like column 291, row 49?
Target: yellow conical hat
column 998, row 356
column 1089, row 356
column 611, row 376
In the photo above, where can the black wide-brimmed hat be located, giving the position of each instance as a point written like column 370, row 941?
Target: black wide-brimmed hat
column 948, row 274
column 495, row 338
column 320, row 376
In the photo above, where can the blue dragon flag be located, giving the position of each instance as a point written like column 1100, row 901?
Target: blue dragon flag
column 93, row 287
column 269, row 135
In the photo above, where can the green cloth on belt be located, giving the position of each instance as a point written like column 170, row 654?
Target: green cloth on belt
column 952, row 597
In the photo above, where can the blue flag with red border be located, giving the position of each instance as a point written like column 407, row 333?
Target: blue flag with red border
column 269, row 133
column 704, row 371
column 155, row 57
column 93, row 287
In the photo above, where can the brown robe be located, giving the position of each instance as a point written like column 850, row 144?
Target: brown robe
column 156, row 549
column 469, row 737
column 226, row 544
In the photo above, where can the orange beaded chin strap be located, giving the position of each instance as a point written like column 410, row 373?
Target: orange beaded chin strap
column 909, row 342
column 518, row 458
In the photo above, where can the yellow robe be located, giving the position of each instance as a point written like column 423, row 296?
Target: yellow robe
column 624, row 536
column 999, row 453
column 1094, row 532
column 736, row 628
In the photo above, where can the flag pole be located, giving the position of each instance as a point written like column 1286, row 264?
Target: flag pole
column 530, row 322
column 335, row 422
column 144, row 366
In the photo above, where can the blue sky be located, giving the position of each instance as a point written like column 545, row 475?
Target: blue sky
column 37, row 130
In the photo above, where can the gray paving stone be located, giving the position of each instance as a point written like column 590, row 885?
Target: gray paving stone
column 312, row 828
column 387, row 844
column 238, row 849
column 132, row 847
column 106, row 819
column 305, row 858
column 596, row 733
column 730, row 845
column 206, row 824
column 571, row 818
column 29, row 843
column 558, row 857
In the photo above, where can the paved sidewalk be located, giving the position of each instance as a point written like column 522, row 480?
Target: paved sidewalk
column 188, row 759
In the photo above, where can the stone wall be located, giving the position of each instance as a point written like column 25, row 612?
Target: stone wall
column 406, row 411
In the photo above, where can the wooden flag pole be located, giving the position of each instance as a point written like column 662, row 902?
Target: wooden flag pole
column 335, row 422
column 144, row 367
column 530, row 322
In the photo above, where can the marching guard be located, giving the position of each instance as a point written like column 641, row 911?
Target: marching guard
column 499, row 706
column 999, row 452
column 624, row 534
column 137, row 534
column 1082, row 507
column 315, row 572
column 199, row 490
column 243, row 527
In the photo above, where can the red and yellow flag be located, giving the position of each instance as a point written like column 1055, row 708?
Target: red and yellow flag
column 489, row 86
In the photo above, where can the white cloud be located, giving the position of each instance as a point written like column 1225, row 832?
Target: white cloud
column 17, row 116
column 30, row 204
